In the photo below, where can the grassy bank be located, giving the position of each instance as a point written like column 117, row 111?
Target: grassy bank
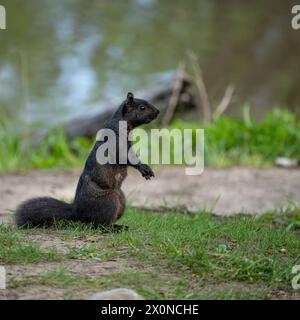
column 161, row 256
column 228, row 141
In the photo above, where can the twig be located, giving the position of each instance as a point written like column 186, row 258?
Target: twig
column 203, row 96
column 173, row 102
column 223, row 105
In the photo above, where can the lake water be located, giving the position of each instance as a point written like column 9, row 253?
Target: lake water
column 59, row 58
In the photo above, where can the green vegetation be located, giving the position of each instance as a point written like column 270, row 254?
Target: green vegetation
column 228, row 141
column 16, row 248
column 171, row 255
column 18, row 152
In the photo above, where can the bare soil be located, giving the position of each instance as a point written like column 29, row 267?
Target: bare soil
column 89, row 269
column 221, row 191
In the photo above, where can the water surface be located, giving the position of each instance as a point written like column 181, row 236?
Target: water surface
column 59, row 58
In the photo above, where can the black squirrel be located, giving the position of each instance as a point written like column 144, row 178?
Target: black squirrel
column 99, row 199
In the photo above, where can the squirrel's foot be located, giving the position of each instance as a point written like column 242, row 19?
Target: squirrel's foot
column 146, row 171
column 116, row 228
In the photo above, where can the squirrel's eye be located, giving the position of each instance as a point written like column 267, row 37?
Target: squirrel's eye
column 142, row 107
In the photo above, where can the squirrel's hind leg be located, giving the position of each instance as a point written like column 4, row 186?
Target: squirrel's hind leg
column 121, row 202
column 120, row 211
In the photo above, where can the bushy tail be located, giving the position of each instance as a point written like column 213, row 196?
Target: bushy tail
column 42, row 211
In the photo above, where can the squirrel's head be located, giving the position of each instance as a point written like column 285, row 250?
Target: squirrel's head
column 137, row 111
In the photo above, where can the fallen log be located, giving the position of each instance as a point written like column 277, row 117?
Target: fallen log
column 88, row 124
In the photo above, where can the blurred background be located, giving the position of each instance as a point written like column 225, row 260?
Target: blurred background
column 66, row 64
column 59, row 58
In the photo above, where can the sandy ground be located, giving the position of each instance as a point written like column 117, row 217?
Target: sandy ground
column 223, row 191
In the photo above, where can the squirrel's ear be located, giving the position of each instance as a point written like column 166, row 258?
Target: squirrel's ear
column 130, row 98
column 128, row 103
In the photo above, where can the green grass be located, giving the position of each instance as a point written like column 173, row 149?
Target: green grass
column 18, row 152
column 171, row 255
column 16, row 248
column 228, row 141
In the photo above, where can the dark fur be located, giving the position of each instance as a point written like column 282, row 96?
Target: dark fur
column 99, row 199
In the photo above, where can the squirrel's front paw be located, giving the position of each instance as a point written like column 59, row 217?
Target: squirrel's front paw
column 146, row 171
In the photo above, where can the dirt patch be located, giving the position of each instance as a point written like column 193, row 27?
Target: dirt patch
column 224, row 191
column 88, row 269
column 34, row 293
column 81, row 267
column 48, row 241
